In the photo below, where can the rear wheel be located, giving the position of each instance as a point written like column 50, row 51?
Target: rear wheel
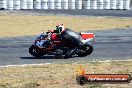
column 35, row 51
column 86, row 50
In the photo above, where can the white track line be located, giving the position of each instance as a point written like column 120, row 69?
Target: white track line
column 24, row 65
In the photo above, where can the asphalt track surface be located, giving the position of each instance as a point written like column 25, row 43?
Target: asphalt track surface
column 90, row 12
column 109, row 44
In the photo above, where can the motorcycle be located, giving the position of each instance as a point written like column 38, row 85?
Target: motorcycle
column 50, row 43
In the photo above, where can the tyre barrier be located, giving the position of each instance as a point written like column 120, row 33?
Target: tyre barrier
column 23, row 4
column 9, row 4
column 71, row 4
column 16, row 4
column 44, row 4
column 93, row 4
column 78, row 4
column 106, row 4
column 87, row 4
column 37, row 4
column 119, row 4
column 29, row 4
column 51, row 4
column 3, row 4
column 57, row 4
column 126, row 4
column 113, row 4
column 100, row 4
column 64, row 4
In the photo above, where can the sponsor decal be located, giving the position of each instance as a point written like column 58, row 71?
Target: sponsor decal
column 83, row 78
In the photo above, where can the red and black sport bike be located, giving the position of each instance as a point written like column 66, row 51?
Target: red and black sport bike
column 50, row 43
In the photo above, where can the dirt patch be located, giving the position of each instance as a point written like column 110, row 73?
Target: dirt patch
column 18, row 25
column 61, row 75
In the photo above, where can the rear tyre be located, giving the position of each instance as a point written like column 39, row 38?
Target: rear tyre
column 85, row 50
column 35, row 51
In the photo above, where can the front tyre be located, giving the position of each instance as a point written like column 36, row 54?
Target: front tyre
column 86, row 49
column 35, row 51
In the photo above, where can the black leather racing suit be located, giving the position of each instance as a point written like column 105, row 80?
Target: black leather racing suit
column 73, row 38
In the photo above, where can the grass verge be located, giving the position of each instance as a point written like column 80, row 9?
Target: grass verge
column 61, row 75
column 18, row 25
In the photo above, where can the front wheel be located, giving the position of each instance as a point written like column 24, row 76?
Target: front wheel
column 85, row 50
column 35, row 51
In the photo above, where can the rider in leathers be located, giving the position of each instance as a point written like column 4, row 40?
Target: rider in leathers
column 72, row 37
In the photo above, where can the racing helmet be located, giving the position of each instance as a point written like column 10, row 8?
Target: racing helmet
column 60, row 27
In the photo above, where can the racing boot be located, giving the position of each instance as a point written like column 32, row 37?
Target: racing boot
column 71, row 52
